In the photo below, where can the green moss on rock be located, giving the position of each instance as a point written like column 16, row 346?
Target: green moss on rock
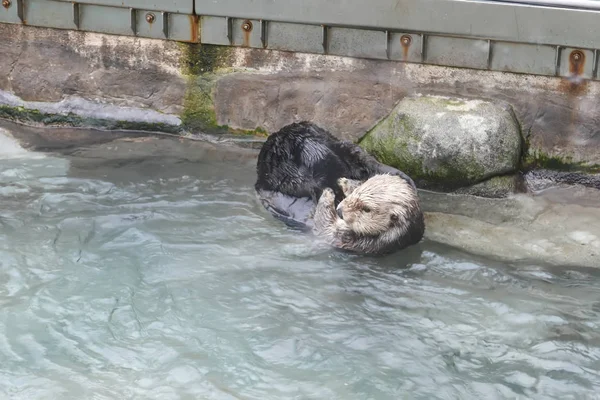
column 25, row 115
column 203, row 65
column 537, row 159
column 446, row 143
column 200, row 59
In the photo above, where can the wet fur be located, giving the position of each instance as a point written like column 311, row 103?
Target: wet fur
column 379, row 216
column 299, row 161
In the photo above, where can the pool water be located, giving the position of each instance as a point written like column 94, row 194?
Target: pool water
column 131, row 271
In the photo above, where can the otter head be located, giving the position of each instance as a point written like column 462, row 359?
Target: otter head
column 378, row 205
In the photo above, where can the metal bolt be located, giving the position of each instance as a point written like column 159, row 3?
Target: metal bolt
column 406, row 40
column 576, row 55
column 6, row 3
column 150, row 18
column 247, row 26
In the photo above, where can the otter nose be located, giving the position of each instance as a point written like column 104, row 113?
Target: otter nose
column 340, row 213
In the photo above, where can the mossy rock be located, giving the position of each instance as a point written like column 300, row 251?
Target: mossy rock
column 447, row 143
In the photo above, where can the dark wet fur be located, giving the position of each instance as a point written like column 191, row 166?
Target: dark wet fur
column 300, row 160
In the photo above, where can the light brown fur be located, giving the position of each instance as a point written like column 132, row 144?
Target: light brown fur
column 378, row 216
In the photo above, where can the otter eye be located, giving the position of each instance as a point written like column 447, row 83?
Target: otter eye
column 366, row 209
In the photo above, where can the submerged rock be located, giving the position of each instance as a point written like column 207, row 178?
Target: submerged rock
column 447, row 143
column 496, row 187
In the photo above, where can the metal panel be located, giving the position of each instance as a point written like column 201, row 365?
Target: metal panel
column 589, row 4
column 52, row 14
column 459, row 52
column 183, row 27
column 119, row 21
column 406, row 47
column 357, row 42
column 295, row 37
column 174, row 6
column 214, row 30
column 247, row 33
column 485, row 19
column 11, row 11
column 151, row 24
column 576, row 63
column 523, row 58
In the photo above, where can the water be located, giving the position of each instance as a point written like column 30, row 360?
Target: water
column 132, row 271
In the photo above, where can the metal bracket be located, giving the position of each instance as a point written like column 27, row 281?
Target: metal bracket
column 165, row 24
column 76, row 14
column 133, row 17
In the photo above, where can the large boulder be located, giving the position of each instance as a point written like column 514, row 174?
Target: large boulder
column 447, row 143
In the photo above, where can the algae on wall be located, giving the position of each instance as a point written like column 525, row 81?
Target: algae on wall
column 203, row 65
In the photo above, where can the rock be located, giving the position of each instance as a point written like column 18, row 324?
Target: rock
column 337, row 101
column 496, row 187
column 542, row 179
column 447, row 143
column 559, row 230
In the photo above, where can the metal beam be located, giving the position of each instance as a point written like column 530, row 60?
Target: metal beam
column 174, row 6
column 581, row 4
column 473, row 18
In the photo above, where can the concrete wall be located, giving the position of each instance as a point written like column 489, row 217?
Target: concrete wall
column 87, row 79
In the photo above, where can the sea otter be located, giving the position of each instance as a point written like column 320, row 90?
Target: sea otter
column 302, row 160
column 378, row 216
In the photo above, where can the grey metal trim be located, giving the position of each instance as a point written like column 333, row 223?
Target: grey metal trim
column 175, row 6
column 581, row 4
column 473, row 18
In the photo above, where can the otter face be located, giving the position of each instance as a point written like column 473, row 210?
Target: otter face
column 380, row 203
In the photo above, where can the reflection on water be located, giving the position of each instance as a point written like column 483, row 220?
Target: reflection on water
column 162, row 278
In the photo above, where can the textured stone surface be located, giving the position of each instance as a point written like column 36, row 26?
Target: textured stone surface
column 447, row 142
column 270, row 89
column 48, row 65
column 559, row 228
column 338, row 101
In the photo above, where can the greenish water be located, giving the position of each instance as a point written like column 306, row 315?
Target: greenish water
column 156, row 276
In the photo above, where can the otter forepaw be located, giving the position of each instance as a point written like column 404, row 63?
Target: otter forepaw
column 328, row 196
column 348, row 185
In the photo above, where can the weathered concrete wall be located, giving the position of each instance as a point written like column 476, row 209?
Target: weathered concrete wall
column 78, row 78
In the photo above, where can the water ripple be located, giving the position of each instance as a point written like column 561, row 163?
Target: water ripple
column 118, row 283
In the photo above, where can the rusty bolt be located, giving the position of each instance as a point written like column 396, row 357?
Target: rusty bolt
column 247, row 26
column 576, row 56
column 150, row 18
column 406, row 40
column 6, row 3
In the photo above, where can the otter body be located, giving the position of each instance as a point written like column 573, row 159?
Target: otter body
column 378, row 216
column 297, row 163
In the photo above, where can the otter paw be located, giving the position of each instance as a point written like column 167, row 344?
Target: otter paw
column 328, row 196
column 348, row 185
